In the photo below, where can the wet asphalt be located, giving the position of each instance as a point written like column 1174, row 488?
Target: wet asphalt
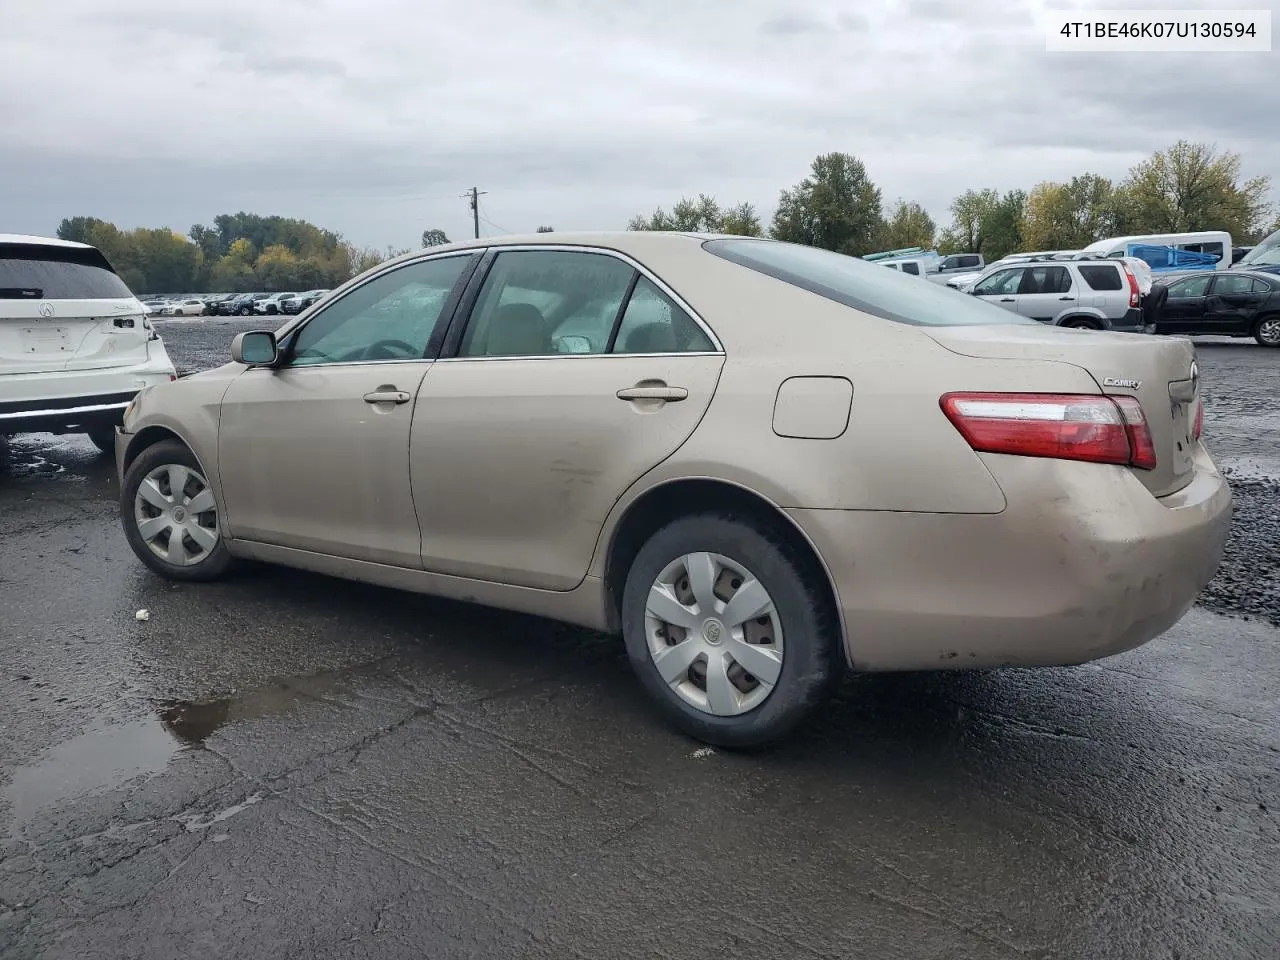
column 284, row 765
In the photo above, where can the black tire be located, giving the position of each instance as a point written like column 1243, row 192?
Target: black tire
column 104, row 438
column 244, row 311
column 218, row 563
column 1080, row 323
column 1257, row 331
column 812, row 660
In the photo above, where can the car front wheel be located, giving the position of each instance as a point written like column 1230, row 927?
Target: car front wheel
column 1267, row 331
column 729, row 630
column 170, row 515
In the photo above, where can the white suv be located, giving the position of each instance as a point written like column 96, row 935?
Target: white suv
column 1093, row 293
column 75, row 344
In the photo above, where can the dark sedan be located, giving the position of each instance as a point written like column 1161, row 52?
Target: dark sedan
column 1226, row 303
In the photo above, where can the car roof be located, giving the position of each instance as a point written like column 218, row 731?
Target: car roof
column 47, row 241
column 624, row 241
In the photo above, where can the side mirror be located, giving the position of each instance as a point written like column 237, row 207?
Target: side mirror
column 257, row 348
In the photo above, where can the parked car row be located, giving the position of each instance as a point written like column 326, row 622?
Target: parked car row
column 231, row 304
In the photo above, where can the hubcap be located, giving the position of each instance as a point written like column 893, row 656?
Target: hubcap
column 176, row 515
column 714, row 634
column 1269, row 330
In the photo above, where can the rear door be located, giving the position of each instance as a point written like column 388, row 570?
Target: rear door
column 1044, row 292
column 64, row 308
column 573, row 376
column 1233, row 303
column 1001, row 288
column 1183, row 311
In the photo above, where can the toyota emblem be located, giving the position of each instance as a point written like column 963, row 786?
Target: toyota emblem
column 46, row 309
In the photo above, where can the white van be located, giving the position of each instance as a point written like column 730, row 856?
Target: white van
column 916, row 266
column 1215, row 243
column 76, row 346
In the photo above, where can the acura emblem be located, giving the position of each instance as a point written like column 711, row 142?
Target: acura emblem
column 46, row 309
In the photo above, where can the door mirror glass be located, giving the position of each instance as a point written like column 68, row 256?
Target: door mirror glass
column 573, row 344
column 257, row 349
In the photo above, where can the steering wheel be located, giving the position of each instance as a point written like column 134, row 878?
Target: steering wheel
column 391, row 350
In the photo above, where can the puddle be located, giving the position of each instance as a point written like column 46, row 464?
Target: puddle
column 1249, row 467
column 97, row 760
column 193, row 722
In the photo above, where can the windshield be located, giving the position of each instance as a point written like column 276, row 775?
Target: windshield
column 1265, row 253
column 865, row 286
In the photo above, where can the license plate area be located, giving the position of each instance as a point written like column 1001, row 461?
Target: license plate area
column 45, row 340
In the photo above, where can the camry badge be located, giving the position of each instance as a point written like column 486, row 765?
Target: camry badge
column 1122, row 382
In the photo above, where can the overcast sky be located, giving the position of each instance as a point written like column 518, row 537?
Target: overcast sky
column 372, row 117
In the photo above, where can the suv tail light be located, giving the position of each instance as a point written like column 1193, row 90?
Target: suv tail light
column 1134, row 297
column 1199, row 424
column 1062, row 426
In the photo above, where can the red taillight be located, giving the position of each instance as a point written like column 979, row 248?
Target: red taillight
column 172, row 377
column 1199, row 424
column 1133, row 286
column 1063, row 426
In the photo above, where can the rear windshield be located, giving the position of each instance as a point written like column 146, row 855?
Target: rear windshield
column 36, row 271
column 862, row 285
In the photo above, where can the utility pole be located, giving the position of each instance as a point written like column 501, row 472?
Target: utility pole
column 474, row 196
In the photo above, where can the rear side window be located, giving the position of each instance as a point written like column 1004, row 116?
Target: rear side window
column 911, row 268
column 1099, row 277
column 42, row 272
column 864, row 286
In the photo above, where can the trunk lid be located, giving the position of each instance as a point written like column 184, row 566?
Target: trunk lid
column 62, row 307
column 44, row 336
column 1160, row 372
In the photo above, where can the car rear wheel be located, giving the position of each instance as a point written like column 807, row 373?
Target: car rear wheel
column 244, row 311
column 170, row 515
column 728, row 629
column 104, row 438
column 1080, row 323
column 1267, row 331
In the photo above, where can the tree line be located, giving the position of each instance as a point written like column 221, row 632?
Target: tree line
column 239, row 252
column 1187, row 186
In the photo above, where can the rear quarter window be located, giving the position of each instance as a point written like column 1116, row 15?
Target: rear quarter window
column 38, row 271
column 1102, row 278
column 862, row 285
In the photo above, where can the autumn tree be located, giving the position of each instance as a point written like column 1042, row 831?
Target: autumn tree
column 908, row 225
column 434, row 238
column 983, row 221
column 1191, row 186
column 836, row 207
column 702, row 215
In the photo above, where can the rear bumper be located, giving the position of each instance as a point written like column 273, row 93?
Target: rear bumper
column 1132, row 322
column 69, row 400
column 1084, row 563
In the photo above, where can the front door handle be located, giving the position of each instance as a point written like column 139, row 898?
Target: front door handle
column 655, row 392
column 1066, row 298
column 388, row 395
column 1006, row 300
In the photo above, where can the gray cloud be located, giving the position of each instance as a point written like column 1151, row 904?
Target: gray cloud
column 372, row 118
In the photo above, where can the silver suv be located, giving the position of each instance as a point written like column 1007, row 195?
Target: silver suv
column 1094, row 294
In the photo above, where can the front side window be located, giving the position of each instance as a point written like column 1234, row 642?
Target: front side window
column 1228, row 286
column 1001, row 282
column 391, row 317
column 537, row 303
column 861, row 285
column 1189, row 289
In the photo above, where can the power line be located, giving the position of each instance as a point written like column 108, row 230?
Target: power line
column 500, row 229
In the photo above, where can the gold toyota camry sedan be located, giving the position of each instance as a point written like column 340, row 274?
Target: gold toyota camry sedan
column 762, row 464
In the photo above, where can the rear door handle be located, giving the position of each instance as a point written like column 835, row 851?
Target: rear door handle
column 670, row 394
column 1066, row 298
column 388, row 396
column 1006, row 300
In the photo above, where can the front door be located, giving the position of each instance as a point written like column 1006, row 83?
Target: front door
column 574, row 376
column 1001, row 288
column 1183, row 310
column 314, row 453
column 1233, row 302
